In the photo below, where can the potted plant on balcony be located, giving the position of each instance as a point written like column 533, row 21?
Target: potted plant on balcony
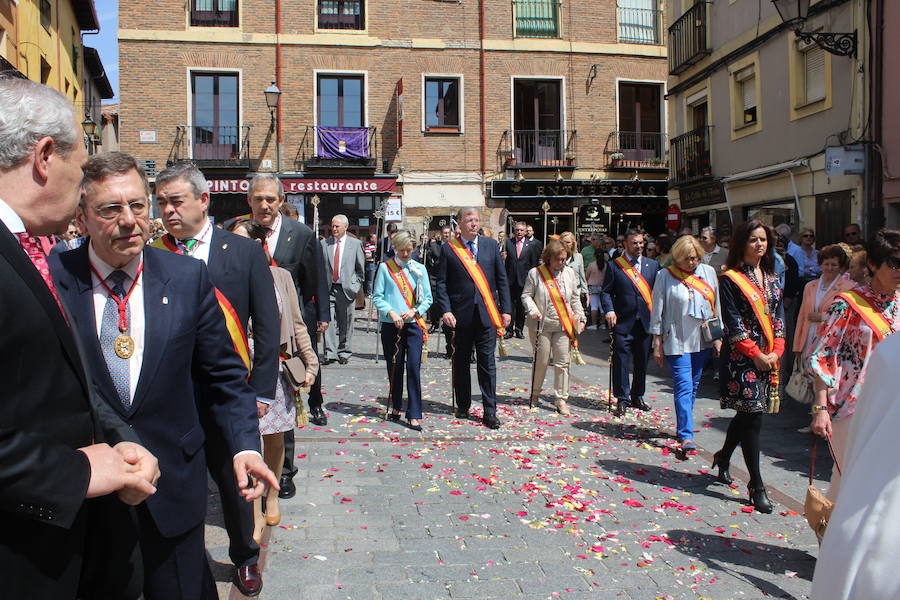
column 616, row 158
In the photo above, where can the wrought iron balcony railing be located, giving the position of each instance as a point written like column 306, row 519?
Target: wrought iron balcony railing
column 539, row 148
column 688, row 38
column 325, row 147
column 212, row 145
column 690, row 156
column 636, row 149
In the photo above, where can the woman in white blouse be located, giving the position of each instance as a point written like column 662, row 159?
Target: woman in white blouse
column 685, row 297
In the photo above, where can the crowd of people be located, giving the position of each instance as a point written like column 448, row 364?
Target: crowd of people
column 176, row 348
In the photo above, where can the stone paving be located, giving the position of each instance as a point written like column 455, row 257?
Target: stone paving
column 587, row 506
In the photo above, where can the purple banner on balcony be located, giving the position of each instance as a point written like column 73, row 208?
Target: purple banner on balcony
column 343, row 142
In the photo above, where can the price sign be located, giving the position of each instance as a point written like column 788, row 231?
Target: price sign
column 393, row 209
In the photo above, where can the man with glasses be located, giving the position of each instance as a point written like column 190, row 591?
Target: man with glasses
column 713, row 254
column 852, row 234
column 151, row 330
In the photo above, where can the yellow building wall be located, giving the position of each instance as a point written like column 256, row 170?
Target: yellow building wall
column 46, row 56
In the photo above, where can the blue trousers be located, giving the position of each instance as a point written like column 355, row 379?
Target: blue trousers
column 686, row 370
column 410, row 355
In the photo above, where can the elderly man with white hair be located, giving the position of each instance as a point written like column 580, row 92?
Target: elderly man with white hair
column 345, row 270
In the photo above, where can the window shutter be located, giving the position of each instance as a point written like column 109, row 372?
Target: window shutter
column 748, row 90
column 814, row 60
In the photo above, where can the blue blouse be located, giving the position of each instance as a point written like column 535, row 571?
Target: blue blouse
column 386, row 295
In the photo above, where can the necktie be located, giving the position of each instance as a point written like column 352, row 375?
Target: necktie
column 518, row 248
column 189, row 244
column 471, row 245
column 33, row 248
column 336, row 267
column 109, row 331
column 269, row 251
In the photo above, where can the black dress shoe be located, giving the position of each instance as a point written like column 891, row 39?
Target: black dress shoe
column 461, row 414
column 724, row 475
column 395, row 417
column 328, row 361
column 491, row 421
column 414, row 427
column 288, row 489
column 318, row 416
column 507, row 335
column 760, row 500
column 248, row 580
column 520, row 335
column 621, row 409
column 639, row 404
column 343, row 360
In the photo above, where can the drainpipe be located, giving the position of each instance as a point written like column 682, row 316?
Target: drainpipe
column 278, row 82
column 481, row 82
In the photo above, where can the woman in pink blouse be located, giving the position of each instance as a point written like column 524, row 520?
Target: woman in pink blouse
column 846, row 340
column 819, row 294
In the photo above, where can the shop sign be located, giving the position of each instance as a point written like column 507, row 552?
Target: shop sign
column 393, row 209
column 593, row 218
column 705, row 194
column 311, row 186
column 576, row 188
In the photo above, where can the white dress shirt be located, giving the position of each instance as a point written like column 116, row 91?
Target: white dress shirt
column 272, row 238
column 135, row 306
column 204, row 240
column 12, row 221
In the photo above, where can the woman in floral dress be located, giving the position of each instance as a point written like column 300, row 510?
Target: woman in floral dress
column 749, row 357
column 845, row 343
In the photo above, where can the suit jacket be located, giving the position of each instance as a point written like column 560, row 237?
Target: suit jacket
column 536, row 298
column 185, row 342
column 801, row 329
column 385, row 250
column 238, row 268
column 454, row 290
column 294, row 335
column 353, row 264
column 47, row 413
column 517, row 267
column 619, row 295
column 298, row 251
column 432, row 258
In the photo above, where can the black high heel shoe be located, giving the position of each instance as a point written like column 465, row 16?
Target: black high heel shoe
column 760, row 500
column 724, row 475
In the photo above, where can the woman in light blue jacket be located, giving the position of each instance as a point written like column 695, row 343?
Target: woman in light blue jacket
column 685, row 297
column 402, row 334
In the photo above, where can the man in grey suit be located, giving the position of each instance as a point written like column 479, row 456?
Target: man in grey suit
column 344, row 266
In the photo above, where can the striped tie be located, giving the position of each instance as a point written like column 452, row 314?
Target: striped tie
column 109, row 331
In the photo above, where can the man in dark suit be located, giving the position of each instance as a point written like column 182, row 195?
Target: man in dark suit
column 465, row 310
column 385, row 249
column 432, row 258
column 343, row 265
column 628, row 318
column 520, row 256
column 239, row 270
column 151, row 329
column 64, row 454
column 294, row 247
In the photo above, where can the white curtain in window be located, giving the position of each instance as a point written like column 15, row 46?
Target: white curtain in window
column 814, row 61
column 748, row 91
column 227, row 5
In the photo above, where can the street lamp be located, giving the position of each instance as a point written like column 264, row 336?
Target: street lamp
column 794, row 14
column 273, row 97
column 88, row 126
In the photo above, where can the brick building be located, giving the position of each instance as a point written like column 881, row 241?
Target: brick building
column 505, row 104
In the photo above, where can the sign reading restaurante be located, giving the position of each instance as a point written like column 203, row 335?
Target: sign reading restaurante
column 296, row 185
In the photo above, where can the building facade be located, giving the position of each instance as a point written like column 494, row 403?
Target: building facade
column 763, row 123
column 885, row 150
column 417, row 107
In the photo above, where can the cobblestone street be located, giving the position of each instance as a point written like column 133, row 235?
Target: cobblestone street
column 587, row 506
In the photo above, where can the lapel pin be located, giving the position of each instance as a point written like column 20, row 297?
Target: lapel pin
column 289, row 238
column 225, row 245
column 165, row 299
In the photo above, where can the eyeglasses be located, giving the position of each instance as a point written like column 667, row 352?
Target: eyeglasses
column 808, row 235
column 113, row 211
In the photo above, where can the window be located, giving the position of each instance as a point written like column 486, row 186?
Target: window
column 442, row 104
column 341, row 101
column 813, row 74
column 744, row 96
column 45, row 71
column 640, row 136
column 46, row 15
column 746, row 85
column 536, row 18
column 342, row 14
column 215, row 131
column 214, row 13
column 639, row 22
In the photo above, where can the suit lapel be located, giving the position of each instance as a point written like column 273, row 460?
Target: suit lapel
column 285, row 241
column 157, row 324
column 217, row 263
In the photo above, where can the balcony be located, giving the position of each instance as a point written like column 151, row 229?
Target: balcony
column 224, row 147
column 688, row 39
column 536, row 18
column 690, row 156
column 640, row 26
column 337, row 147
column 636, row 150
column 538, row 149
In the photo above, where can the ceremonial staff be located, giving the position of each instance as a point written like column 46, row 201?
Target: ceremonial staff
column 390, row 396
column 609, row 391
column 378, row 214
column 533, row 398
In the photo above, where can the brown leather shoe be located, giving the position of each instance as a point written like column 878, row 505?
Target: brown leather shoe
column 248, row 580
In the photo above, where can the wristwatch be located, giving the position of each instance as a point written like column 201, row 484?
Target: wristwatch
column 816, row 408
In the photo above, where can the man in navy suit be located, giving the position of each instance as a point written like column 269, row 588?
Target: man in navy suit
column 151, row 329
column 520, row 256
column 239, row 270
column 463, row 309
column 628, row 318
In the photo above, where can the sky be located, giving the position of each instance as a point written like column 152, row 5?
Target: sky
column 107, row 42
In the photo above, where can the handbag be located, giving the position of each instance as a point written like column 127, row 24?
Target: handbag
column 817, row 507
column 711, row 330
column 799, row 387
column 294, row 372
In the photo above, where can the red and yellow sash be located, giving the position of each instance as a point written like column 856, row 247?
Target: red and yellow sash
column 481, row 284
column 695, row 283
column 406, row 291
column 639, row 282
column 757, row 303
column 865, row 308
column 232, row 322
column 559, row 304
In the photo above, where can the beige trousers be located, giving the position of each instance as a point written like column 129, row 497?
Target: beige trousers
column 553, row 351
